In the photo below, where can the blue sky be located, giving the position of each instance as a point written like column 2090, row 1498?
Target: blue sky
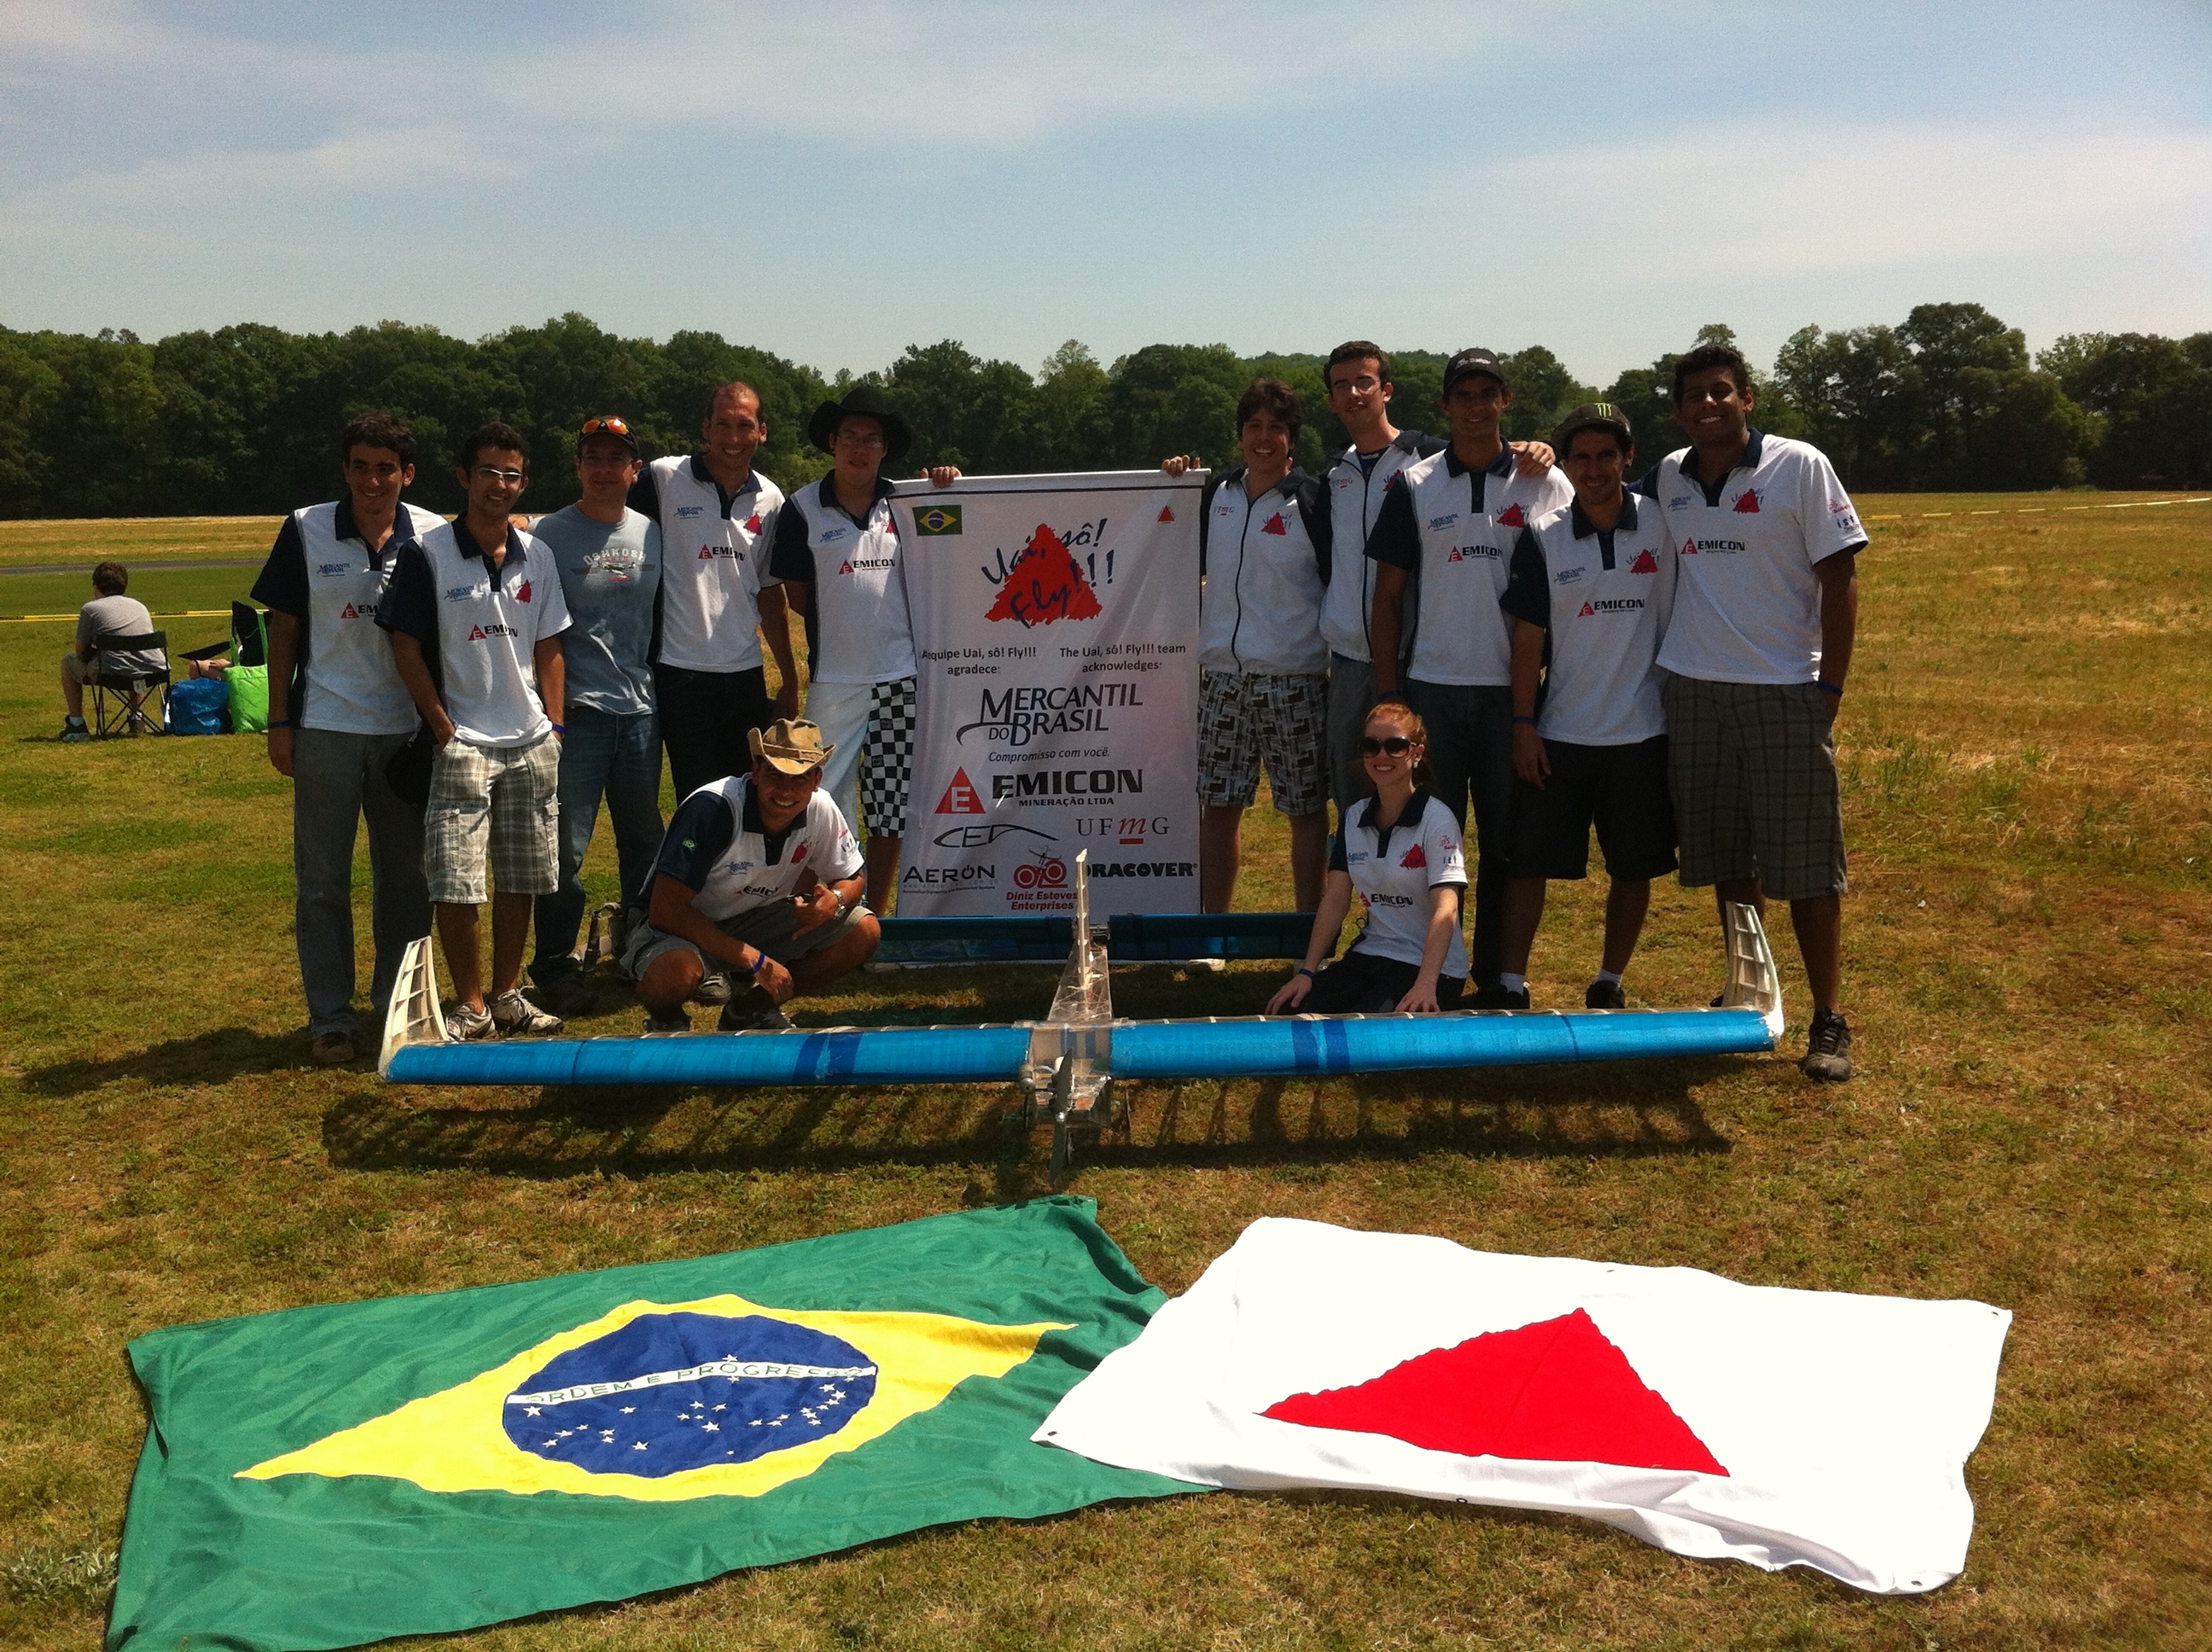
column 834, row 182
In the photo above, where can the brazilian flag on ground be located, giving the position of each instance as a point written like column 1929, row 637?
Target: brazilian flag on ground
column 326, row 1476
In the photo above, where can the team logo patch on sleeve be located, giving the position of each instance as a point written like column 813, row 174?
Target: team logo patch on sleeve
column 1415, row 857
column 1644, row 563
column 1512, row 517
column 1747, row 502
column 522, row 592
column 752, row 523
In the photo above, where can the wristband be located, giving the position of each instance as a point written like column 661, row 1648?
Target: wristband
column 1827, row 688
column 1307, row 973
column 759, row 958
column 1529, row 720
column 276, row 723
column 555, row 726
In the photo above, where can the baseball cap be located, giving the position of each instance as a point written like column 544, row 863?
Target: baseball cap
column 790, row 745
column 1592, row 416
column 607, row 425
column 1468, row 363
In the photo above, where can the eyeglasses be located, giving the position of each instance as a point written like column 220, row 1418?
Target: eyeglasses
column 493, row 473
column 864, row 443
column 1397, row 745
column 603, row 428
column 1362, row 384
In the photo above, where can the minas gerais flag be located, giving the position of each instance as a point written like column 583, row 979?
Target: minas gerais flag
column 327, row 1476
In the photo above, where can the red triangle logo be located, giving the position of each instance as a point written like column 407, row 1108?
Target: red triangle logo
column 1644, row 563
column 1746, row 503
column 844, row 567
column 960, row 796
column 1415, row 857
column 349, row 613
column 1512, row 518
column 1689, row 547
column 1274, row 524
column 752, row 523
column 475, row 633
column 706, row 553
column 522, row 592
column 1044, row 584
column 1556, row 1391
column 1166, row 515
column 1587, row 611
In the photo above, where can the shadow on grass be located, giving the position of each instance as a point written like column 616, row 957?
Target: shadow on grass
column 210, row 1058
column 1635, row 1109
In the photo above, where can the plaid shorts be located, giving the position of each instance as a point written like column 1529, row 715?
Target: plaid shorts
column 1751, row 766
column 496, row 806
column 887, row 758
column 1246, row 719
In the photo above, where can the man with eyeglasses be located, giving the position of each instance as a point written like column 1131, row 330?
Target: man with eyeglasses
column 610, row 562
column 1445, row 531
column 476, row 614
column 1357, row 479
column 338, row 715
column 1766, row 543
column 717, row 518
column 836, row 553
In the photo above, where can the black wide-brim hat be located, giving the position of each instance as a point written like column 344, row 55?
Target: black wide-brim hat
column 862, row 401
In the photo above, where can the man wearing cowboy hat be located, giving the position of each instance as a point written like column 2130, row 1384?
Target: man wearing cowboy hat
column 759, row 873
column 836, row 553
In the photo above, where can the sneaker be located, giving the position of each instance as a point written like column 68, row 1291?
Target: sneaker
column 1605, row 995
column 675, row 1021
column 566, row 995
column 1827, row 1048
column 73, row 731
column 516, row 1014
column 467, row 1026
column 333, row 1050
column 1494, row 997
column 714, row 989
column 736, row 1018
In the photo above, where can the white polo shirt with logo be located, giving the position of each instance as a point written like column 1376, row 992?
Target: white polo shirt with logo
column 718, row 846
column 1748, row 606
column 714, row 551
column 860, row 630
column 480, row 628
column 1603, row 597
column 322, row 573
column 1266, row 564
column 1355, row 493
column 1394, row 869
column 1452, row 528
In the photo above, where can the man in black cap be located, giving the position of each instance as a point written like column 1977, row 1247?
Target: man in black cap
column 1447, row 527
column 836, row 552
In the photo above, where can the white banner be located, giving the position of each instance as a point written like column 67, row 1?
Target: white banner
column 1056, row 622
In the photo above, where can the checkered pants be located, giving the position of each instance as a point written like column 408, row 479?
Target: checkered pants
column 887, row 758
column 1247, row 718
column 497, row 807
column 1752, row 769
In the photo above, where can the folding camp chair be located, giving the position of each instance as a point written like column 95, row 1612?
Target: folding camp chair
column 118, row 696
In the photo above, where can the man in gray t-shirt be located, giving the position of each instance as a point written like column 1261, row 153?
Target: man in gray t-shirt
column 610, row 561
column 110, row 614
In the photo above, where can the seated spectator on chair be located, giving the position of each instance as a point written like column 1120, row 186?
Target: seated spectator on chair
column 110, row 614
column 759, row 873
column 1400, row 849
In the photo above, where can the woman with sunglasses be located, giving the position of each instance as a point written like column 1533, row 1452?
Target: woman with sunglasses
column 1399, row 848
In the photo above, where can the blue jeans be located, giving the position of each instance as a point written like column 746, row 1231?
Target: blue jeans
column 602, row 754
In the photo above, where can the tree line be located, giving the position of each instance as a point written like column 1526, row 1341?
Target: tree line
column 240, row 421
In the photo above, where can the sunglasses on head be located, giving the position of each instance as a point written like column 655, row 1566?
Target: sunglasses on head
column 603, row 427
column 1396, row 745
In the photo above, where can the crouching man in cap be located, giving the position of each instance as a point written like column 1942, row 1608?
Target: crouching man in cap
column 759, row 873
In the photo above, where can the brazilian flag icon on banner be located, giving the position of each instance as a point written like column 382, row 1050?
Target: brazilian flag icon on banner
column 932, row 519
column 328, row 1476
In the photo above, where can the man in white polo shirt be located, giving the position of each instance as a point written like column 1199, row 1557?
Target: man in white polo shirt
column 338, row 715
column 1447, row 529
column 1766, row 543
column 476, row 613
column 717, row 516
column 1590, row 591
column 759, row 873
column 836, row 554
column 1357, row 480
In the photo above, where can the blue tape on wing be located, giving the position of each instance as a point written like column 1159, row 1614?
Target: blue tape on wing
column 1638, row 1037
column 899, row 1056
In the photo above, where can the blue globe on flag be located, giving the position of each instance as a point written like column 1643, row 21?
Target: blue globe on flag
column 670, row 1392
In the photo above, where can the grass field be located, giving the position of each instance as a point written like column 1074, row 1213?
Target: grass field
column 2028, row 771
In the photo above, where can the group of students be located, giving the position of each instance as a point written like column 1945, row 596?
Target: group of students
column 1431, row 632
column 1440, row 632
